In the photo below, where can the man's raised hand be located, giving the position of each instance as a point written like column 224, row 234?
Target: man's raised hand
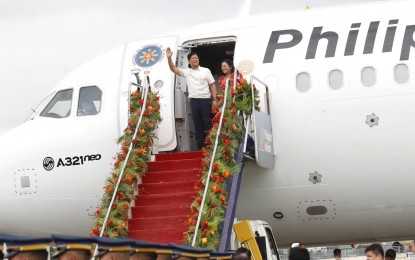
column 169, row 53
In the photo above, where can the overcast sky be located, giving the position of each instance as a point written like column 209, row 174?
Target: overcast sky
column 41, row 41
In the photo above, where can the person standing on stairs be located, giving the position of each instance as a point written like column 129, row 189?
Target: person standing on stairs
column 228, row 71
column 202, row 93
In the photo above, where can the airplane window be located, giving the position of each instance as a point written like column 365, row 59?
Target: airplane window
column 303, row 82
column 60, row 105
column 401, row 73
column 89, row 101
column 336, row 79
column 368, row 76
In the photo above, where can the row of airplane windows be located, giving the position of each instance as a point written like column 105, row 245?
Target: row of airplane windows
column 367, row 76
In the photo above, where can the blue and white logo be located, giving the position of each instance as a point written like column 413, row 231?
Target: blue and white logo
column 148, row 56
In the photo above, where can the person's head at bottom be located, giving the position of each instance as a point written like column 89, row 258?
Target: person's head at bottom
column 241, row 254
column 143, row 256
column 298, row 253
column 72, row 247
column 390, row 254
column 337, row 253
column 26, row 247
column 374, row 252
column 113, row 248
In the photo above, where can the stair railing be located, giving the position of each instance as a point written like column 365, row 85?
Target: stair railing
column 211, row 162
column 145, row 93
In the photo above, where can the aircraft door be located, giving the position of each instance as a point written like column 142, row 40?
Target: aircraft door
column 184, row 123
column 149, row 56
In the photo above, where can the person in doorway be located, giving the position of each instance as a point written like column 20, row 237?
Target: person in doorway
column 228, row 71
column 202, row 93
column 374, row 252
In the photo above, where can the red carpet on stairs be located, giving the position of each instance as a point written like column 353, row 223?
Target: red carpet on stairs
column 165, row 195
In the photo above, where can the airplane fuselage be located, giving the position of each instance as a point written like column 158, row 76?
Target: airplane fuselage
column 341, row 104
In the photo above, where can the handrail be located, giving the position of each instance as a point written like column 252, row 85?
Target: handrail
column 252, row 118
column 211, row 163
column 145, row 91
column 266, row 93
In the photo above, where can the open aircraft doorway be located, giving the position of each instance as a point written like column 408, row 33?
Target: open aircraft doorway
column 211, row 52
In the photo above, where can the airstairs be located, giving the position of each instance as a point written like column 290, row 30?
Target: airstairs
column 165, row 195
column 180, row 193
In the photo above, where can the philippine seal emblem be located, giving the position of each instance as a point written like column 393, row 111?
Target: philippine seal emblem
column 148, row 56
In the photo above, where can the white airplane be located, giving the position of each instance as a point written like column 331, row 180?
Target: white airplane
column 341, row 100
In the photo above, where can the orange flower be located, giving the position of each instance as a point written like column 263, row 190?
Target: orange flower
column 109, row 188
column 140, row 151
column 225, row 174
column 212, row 232
column 128, row 177
column 215, row 188
column 142, row 131
column 134, row 94
column 150, row 108
column 235, row 127
column 126, row 206
column 204, row 240
column 122, row 224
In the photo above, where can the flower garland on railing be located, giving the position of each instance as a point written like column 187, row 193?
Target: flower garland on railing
column 223, row 167
column 136, row 165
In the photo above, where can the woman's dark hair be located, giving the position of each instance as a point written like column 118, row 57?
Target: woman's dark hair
column 230, row 63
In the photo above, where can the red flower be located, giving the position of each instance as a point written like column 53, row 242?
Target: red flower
column 146, row 113
column 233, row 92
column 226, row 141
column 125, row 149
column 157, row 98
column 215, row 167
column 141, row 101
column 134, row 140
column 96, row 231
column 205, row 224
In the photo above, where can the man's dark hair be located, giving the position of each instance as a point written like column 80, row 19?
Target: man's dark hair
column 376, row 249
column 242, row 254
column 390, row 253
column 191, row 54
column 337, row 252
column 35, row 255
column 298, row 253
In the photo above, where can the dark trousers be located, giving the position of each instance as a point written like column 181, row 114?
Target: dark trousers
column 202, row 118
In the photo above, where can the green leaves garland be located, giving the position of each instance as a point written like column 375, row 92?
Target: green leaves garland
column 223, row 167
column 136, row 165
